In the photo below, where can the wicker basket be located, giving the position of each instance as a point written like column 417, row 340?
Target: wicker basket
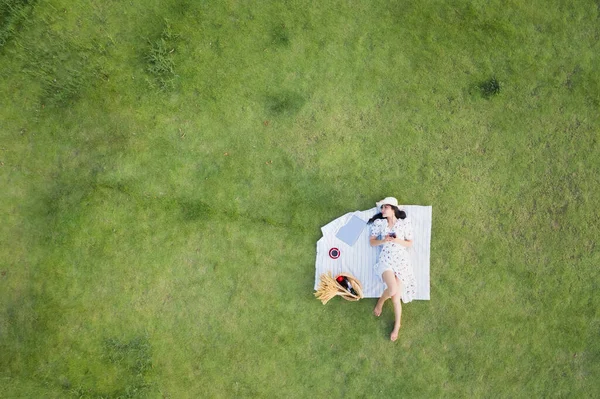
column 329, row 287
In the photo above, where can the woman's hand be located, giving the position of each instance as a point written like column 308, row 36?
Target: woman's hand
column 376, row 242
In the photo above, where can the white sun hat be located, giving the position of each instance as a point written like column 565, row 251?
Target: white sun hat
column 389, row 201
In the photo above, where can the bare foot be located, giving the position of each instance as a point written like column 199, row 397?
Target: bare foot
column 377, row 310
column 394, row 334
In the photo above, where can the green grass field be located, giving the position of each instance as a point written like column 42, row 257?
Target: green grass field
column 165, row 168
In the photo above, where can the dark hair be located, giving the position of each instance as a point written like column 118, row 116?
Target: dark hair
column 399, row 214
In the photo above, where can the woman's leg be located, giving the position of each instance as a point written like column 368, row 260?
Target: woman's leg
column 397, row 310
column 392, row 287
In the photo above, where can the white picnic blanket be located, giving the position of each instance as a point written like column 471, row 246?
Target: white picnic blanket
column 336, row 256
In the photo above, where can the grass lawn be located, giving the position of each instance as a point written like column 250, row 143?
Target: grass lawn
column 165, row 168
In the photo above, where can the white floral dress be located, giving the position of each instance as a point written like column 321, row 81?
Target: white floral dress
column 394, row 256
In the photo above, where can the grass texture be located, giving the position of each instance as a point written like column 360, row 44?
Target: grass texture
column 166, row 165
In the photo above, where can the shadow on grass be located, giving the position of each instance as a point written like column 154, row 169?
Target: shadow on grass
column 132, row 360
column 280, row 36
column 63, row 65
column 194, row 210
column 13, row 14
column 488, row 88
column 284, row 103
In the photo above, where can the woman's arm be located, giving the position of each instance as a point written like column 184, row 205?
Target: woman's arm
column 375, row 242
column 404, row 243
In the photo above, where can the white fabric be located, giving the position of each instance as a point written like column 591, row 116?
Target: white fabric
column 360, row 258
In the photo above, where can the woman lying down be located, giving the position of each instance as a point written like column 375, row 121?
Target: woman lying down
column 392, row 229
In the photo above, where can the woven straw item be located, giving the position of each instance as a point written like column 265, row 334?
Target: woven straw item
column 328, row 288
